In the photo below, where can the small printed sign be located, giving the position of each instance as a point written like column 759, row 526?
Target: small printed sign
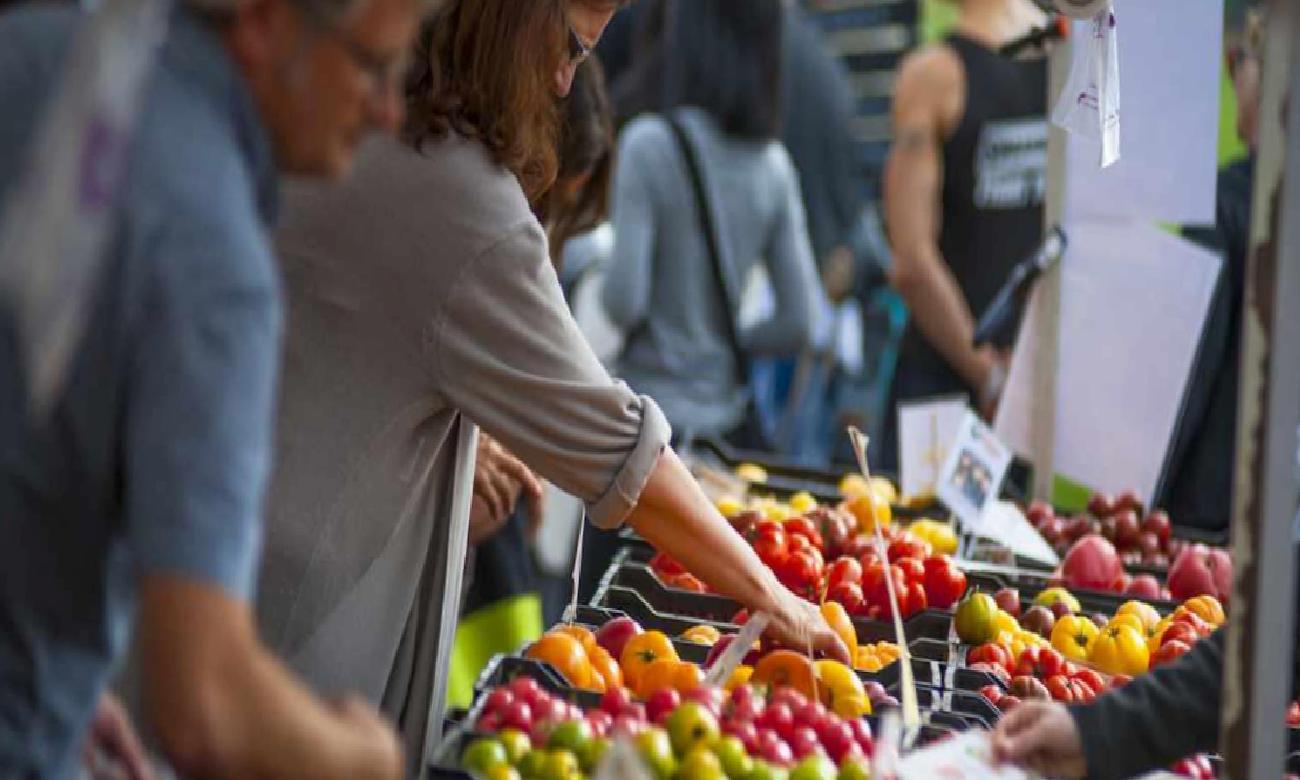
column 973, row 472
column 925, row 430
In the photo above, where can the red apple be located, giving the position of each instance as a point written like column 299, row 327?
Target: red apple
column 1158, row 523
column 1101, row 505
column 615, row 634
column 1129, row 500
column 1038, row 512
column 1144, row 586
column 1008, row 599
column 1091, row 563
column 1127, row 528
column 1199, row 571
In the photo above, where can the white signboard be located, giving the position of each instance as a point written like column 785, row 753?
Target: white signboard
column 1171, row 54
column 1133, row 305
column 972, row 474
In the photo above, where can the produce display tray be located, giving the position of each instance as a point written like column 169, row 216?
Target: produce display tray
column 1031, row 584
column 634, row 589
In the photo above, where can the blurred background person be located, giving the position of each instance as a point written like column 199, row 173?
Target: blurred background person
column 165, row 422
column 425, row 304
column 723, row 89
column 503, row 608
column 963, row 198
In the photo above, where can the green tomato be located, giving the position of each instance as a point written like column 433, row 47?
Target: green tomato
column 814, row 767
column 482, row 754
column 502, row 772
column 701, row 764
column 692, row 724
column 561, row 765
column 532, row 764
column 571, row 735
column 765, row 771
column 656, row 751
column 735, row 761
column 592, row 753
column 516, row 744
column 854, row 769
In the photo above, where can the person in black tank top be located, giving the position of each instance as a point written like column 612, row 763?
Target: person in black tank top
column 964, row 195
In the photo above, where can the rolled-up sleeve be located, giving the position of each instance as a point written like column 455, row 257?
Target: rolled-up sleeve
column 506, row 352
column 200, row 409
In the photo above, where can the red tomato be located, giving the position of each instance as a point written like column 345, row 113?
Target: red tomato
column 913, row 569
column 944, row 582
column 1179, row 632
column 917, row 601
column 997, row 670
column 665, row 565
column 869, row 557
column 908, row 546
column 1168, row 651
column 797, row 543
column 1120, row 680
column 990, row 654
column 844, row 569
column 1194, row 620
column 993, row 693
column 1059, row 687
column 1050, row 663
column 802, row 526
column 1293, row 715
column 801, row 572
column 1090, row 678
column 1027, row 662
column 849, row 595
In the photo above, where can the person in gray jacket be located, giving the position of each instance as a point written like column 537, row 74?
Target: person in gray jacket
column 723, row 86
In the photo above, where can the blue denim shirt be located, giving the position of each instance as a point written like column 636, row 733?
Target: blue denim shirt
column 156, row 458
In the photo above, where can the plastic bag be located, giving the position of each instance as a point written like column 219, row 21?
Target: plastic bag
column 1090, row 105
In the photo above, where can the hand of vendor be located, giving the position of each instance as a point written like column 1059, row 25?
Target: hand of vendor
column 499, row 478
column 1041, row 736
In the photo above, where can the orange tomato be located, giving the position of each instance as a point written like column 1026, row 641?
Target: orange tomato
column 579, row 633
column 565, row 653
column 640, row 652
column 660, row 674
column 605, row 667
column 786, row 667
column 739, row 677
column 840, row 622
column 1207, row 608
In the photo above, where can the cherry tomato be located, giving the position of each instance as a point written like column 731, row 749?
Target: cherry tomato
column 990, row 653
column 913, row 569
column 849, row 595
column 802, row 526
column 908, row 547
column 1090, row 678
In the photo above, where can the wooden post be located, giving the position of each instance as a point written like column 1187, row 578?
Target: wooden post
column 1042, row 420
column 1260, row 637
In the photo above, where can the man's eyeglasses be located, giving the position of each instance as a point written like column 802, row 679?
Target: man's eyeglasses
column 579, row 51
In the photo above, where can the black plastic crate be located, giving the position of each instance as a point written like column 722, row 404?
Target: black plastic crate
column 1031, row 584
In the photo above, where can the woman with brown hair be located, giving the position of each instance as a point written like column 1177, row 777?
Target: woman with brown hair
column 422, row 304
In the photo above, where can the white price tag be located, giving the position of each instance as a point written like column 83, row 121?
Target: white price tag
column 972, row 475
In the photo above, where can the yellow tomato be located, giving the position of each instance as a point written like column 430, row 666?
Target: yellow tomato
column 778, row 512
column 1002, row 621
column 882, row 487
column 838, row 619
column 854, row 485
column 702, row 635
column 729, row 506
column 802, row 502
column 1145, row 613
column 1072, row 635
column 1207, row 608
column 850, row 707
column 752, row 472
column 739, row 677
column 835, row 681
column 1120, row 650
column 941, row 537
column 869, row 510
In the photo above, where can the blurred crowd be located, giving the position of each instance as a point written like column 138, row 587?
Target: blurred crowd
column 380, row 272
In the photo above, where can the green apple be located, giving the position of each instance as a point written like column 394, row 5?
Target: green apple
column 560, row 765
column 854, row 769
column 735, row 761
column 482, row 754
column 691, row 724
column 532, row 764
column 571, row 735
column 592, row 752
column 814, row 767
column 765, row 771
column 656, row 750
column 701, row 764
column 516, row 744
column 502, row 772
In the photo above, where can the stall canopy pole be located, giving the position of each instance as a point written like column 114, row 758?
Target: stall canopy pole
column 1042, row 430
column 1259, row 644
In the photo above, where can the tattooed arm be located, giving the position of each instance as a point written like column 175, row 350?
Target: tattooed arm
column 928, row 101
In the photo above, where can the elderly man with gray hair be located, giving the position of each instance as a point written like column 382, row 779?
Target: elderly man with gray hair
column 135, row 500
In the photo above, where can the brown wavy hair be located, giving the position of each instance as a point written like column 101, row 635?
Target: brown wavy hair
column 485, row 69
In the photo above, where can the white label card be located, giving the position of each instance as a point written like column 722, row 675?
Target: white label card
column 972, row 474
column 926, row 429
column 966, row 756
